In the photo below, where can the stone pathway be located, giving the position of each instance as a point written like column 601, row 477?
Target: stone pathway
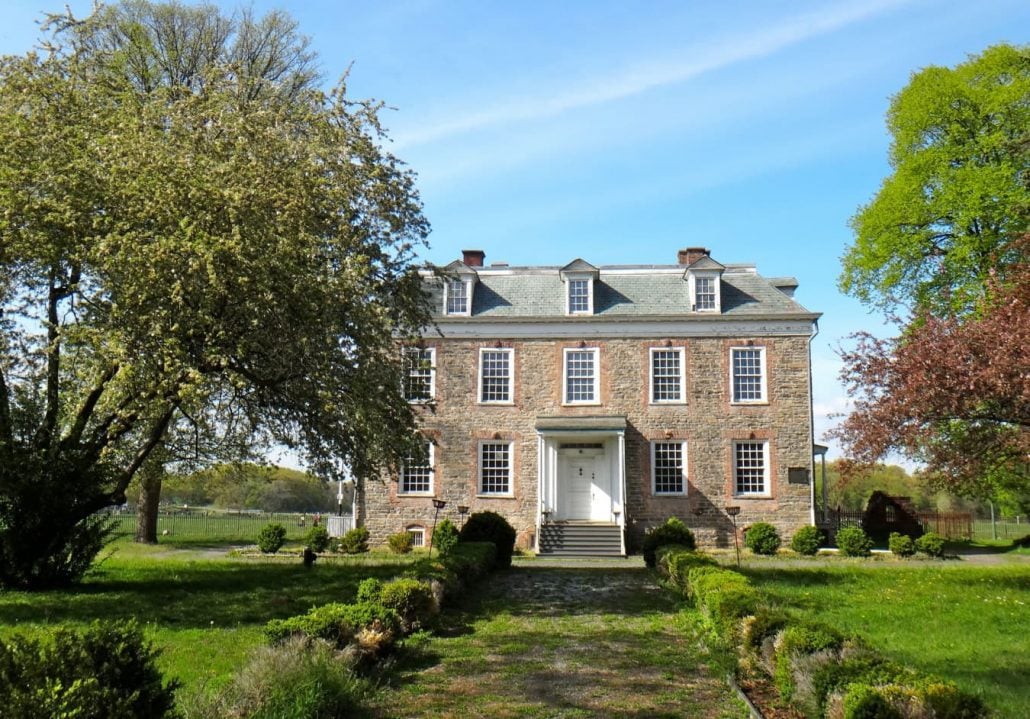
column 563, row 639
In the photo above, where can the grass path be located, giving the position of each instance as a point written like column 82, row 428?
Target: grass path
column 542, row 641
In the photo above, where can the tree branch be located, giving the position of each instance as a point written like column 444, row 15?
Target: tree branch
column 86, row 411
column 154, row 437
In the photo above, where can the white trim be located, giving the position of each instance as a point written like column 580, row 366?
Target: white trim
column 683, row 449
column 417, row 529
column 693, row 277
column 650, row 375
column 511, row 376
column 655, row 328
column 764, row 374
column 432, row 376
column 432, row 475
column 766, row 461
column 479, row 468
column 596, row 352
column 468, row 297
column 576, row 277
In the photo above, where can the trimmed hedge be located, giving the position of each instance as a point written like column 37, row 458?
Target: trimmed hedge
column 931, row 544
column 762, row 538
column 491, row 527
column 413, row 601
column 807, row 541
column 672, row 532
column 901, row 545
column 338, row 624
column 853, row 542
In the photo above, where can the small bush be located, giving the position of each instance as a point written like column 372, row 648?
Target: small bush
column 107, row 668
column 338, row 624
column 370, row 591
column 491, row 527
column 901, row 545
column 1023, row 542
column 412, row 599
column 723, row 595
column 355, row 541
column 676, row 562
column 853, row 542
column 865, row 702
column 271, row 538
column 317, row 539
column 798, row 640
column 672, row 532
column 445, row 537
column 399, row 543
column 807, row 541
column 762, row 538
column 931, row 544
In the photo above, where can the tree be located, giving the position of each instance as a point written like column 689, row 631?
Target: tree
column 191, row 233
column 959, row 193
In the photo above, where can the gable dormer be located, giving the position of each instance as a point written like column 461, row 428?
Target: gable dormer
column 459, row 282
column 704, row 280
column 579, row 277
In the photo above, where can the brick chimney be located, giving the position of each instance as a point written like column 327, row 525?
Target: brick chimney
column 690, row 255
column 473, row 258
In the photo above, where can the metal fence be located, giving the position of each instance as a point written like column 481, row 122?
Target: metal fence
column 953, row 525
column 221, row 525
column 1001, row 529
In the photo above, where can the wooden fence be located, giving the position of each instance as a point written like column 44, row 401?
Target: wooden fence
column 953, row 525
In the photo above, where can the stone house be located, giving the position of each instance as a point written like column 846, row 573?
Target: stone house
column 587, row 404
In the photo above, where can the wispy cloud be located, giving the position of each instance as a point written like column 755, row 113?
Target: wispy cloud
column 715, row 56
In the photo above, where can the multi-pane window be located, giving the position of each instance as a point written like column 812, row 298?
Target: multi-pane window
column 495, row 468
column 581, row 376
column 751, row 468
column 669, row 467
column 667, row 375
column 495, row 375
column 420, row 373
column 457, row 298
column 417, row 536
column 704, row 293
column 417, row 473
column 748, row 374
column 579, row 296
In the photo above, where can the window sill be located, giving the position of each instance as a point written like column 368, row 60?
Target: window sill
column 420, row 402
column 480, row 495
column 581, row 404
column 417, row 495
column 668, row 403
column 751, row 403
column 662, row 495
column 509, row 403
column 752, row 496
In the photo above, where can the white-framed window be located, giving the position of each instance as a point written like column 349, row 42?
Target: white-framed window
column 496, row 376
column 669, row 467
column 420, row 374
column 751, row 468
column 747, row 374
column 581, row 295
column 667, row 375
column 456, row 298
column 495, row 467
column 417, row 535
column 417, row 474
column 704, row 293
column 582, row 375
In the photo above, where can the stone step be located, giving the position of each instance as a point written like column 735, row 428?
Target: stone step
column 585, row 540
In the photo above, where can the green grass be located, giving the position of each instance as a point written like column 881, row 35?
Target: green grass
column 964, row 623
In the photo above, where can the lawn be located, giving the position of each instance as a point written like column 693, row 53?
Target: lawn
column 966, row 623
column 204, row 613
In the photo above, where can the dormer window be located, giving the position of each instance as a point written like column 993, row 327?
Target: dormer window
column 579, row 278
column 704, row 280
column 704, row 294
column 457, row 297
column 459, row 282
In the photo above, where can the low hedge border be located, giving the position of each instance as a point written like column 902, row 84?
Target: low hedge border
column 822, row 672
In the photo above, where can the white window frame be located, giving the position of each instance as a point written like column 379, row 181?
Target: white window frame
column 654, row 475
column 401, row 491
column 694, row 276
column 409, row 367
column 483, row 351
column 766, row 461
column 595, row 351
column 590, row 294
column 764, row 368
column 682, row 376
column 417, row 530
column 467, row 285
column 480, row 468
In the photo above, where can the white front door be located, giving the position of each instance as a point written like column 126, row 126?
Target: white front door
column 587, row 487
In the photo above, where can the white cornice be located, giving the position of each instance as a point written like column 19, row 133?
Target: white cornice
column 802, row 326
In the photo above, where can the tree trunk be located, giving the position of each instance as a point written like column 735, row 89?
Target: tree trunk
column 149, row 498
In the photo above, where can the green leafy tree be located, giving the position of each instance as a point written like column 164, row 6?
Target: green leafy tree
column 191, row 234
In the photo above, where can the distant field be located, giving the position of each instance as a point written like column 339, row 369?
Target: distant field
column 217, row 527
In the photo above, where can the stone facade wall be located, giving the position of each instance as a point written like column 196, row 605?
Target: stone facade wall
column 707, row 421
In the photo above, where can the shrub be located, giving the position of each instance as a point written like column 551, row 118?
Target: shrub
column 1023, row 541
column 723, row 595
column 338, row 624
column 296, row 680
column 355, row 541
column 807, row 541
column 108, row 670
column 317, row 539
column 412, row 599
column 370, row 590
column 901, row 545
column 865, row 702
column 762, row 538
column 853, row 542
column 676, row 562
column 445, row 537
column 798, row 640
column 491, row 527
column 673, row 531
column 931, row 544
column 399, row 543
column 271, row 537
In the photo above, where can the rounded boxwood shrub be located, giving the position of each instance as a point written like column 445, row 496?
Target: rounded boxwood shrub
column 271, row 538
column 491, row 527
column 355, row 541
column 853, row 542
column 370, row 590
column 673, row 531
column 901, row 545
column 317, row 539
column 399, row 543
column 412, row 599
column 762, row 538
column 445, row 537
column 807, row 541
column 931, row 544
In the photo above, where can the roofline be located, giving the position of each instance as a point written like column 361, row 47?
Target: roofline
column 590, row 319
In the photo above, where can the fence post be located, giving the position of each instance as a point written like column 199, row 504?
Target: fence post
column 994, row 526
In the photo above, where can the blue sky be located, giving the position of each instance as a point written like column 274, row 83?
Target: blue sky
column 622, row 131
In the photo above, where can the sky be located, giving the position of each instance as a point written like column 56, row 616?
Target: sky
column 619, row 132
